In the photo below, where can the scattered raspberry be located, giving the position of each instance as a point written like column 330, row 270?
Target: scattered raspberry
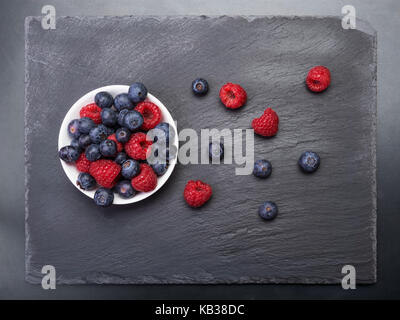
column 267, row 124
column 151, row 114
column 92, row 111
column 318, row 78
column 120, row 146
column 232, row 95
column 146, row 180
column 197, row 193
column 138, row 146
column 106, row 172
column 82, row 164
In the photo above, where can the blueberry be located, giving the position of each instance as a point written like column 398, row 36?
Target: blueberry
column 169, row 153
column 137, row 92
column 75, row 144
column 103, row 99
column 122, row 101
column 108, row 148
column 123, row 134
column 159, row 168
column 309, row 161
column 103, row 197
column 130, row 169
column 108, row 117
column 86, row 124
column 216, row 150
column 168, row 132
column 121, row 117
column 120, row 158
column 262, row 168
column 99, row 133
column 200, row 86
column 69, row 154
column 73, row 129
column 133, row 120
column 125, row 189
column 84, row 140
column 92, row 152
column 110, row 131
column 268, row 210
column 86, row 181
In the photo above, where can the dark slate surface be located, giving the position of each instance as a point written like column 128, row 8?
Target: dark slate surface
column 326, row 220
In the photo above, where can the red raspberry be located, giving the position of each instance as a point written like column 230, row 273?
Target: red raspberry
column 92, row 111
column 138, row 146
column 106, row 172
column 146, row 180
column 267, row 124
column 82, row 164
column 120, row 146
column 151, row 114
column 197, row 193
column 318, row 78
column 232, row 95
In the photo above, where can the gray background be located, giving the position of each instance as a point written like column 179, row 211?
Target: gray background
column 384, row 18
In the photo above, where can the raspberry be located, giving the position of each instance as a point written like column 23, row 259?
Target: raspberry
column 106, row 172
column 120, row 146
column 267, row 124
column 92, row 111
column 138, row 146
column 146, row 180
column 151, row 114
column 232, row 95
column 82, row 164
column 318, row 78
column 197, row 193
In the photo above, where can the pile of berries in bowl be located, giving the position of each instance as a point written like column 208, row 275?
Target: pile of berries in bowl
column 118, row 144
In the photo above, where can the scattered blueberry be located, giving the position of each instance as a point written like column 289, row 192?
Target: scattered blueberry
column 69, row 154
column 86, row 124
column 216, row 150
column 133, row 120
column 125, row 189
column 73, row 129
column 103, row 197
column 92, row 152
column 137, row 92
column 108, row 148
column 200, row 86
column 84, row 140
column 103, row 99
column 262, row 168
column 130, row 169
column 99, row 133
column 122, row 101
column 86, row 181
column 122, row 135
column 159, row 168
column 120, row 158
column 268, row 210
column 309, row 161
column 108, row 117
column 121, row 116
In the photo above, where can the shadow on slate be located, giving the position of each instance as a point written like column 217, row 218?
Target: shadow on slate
column 326, row 220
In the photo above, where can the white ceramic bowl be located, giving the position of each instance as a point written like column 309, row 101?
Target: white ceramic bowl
column 73, row 113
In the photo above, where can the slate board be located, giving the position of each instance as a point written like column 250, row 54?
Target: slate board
column 326, row 219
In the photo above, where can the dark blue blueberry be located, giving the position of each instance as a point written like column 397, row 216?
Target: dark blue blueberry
column 75, row 144
column 309, row 161
column 268, row 210
column 122, row 101
column 123, row 134
column 103, row 197
column 130, row 169
column 108, row 148
column 103, row 99
column 137, row 92
column 108, row 117
column 69, row 154
column 200, row 86
column 262, row 168
column 73, row 129
column 124, row 189
column 86, row 124
column 120, row 158
column 133, row 120
column 92, row 152
column 160, row 168
column 168, row 132
column 86, row 181
column 121, row 116
column 99, row 133
column 84, row 141
column 216, row 150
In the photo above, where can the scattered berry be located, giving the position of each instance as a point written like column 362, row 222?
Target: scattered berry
column 309, row 161
column 108, row 117
column 68, row 154
column 216, row 150
column 103, row 197
column 92, row 152
column 84, row 140
column 108, row 148
column 268, row 210
column 138, row 146
column 122, row 101
column 318, row 78
column 86, row 124
column 133, row 120
column 103, row 99
column 137, row 92
column 120, row 146
column 99, row 133
column 92, row 111
column 123, row 134
column 151, row 114
column 121, row 117
column 130, row 168
column 106, row 172
column 232, row 95
column 197, row 193
column 82, row 164
column 86, row 181
column 125, row 189
column 120, row 158
column 262, row 168
column 146, row 180
column 159, row 168
column 200, row 87
column 73, row 129
column 267, row 124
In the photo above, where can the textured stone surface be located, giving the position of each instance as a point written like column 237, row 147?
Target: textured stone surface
column 326, row 220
